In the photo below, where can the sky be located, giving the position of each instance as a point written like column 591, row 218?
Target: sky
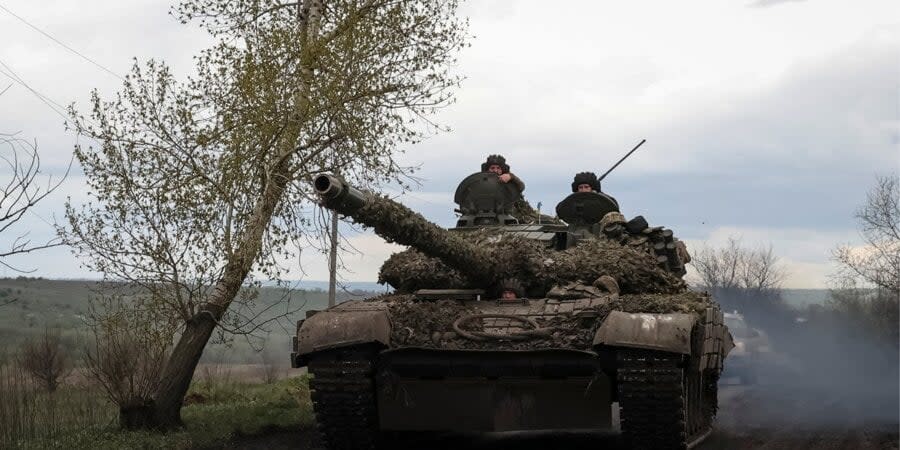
column 765, row 120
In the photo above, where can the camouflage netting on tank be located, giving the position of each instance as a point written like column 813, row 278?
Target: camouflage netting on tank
column 410, row 270
column 484, row 258
column 635, row 271
column 430, row 324
column 415, row 324
column 536, row 267
column 688, row 302
column 525, row 213
column 397, row 223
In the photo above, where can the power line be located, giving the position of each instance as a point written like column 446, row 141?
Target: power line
column 61, row 43
column 60, row 110
column 43, row 98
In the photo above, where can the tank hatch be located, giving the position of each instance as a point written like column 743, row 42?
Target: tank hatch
column 585, row 208
column 483, row 201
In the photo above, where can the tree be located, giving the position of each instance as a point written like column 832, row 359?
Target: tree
column 877, row 264
column 734, row 267
column 45, row 359
column 127, row 355
column 745, row 279
column 201, row 185
column 866, row 286
column 20, row 190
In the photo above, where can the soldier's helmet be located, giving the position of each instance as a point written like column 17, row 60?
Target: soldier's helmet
column 512, row 284
column 586, row 178
column 495, row 159
column 612, row 218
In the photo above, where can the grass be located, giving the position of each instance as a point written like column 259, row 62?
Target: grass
column 27, row 412
column 78, row 417
column 215, row 413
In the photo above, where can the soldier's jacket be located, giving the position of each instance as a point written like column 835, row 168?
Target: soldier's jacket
column 520, row 185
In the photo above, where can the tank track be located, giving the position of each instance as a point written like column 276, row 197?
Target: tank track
column 343, row 396
column 660, row 408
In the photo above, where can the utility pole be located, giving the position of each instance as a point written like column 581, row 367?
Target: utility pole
column 312, row 9
column 332, row 260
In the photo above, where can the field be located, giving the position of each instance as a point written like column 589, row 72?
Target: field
column 238, row 390
column 64, row 305
column 216, row 410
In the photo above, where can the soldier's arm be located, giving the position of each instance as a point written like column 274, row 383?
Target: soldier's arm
column 520, row 185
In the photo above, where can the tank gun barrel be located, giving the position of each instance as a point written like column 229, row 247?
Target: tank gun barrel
column 337, row 195
column 396, row 223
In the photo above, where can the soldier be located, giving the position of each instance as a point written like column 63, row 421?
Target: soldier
column 510, row 289
column 613, row 226
column 497, row 164
column 585, row 182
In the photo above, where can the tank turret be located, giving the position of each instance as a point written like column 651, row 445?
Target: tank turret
column 482, row 258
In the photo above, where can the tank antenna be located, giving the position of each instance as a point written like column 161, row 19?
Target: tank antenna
column 620, row 161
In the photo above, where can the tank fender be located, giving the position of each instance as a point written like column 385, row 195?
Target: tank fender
column 341, row 328
column 665, row 332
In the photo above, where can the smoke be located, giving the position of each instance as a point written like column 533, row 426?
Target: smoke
column 824, row 368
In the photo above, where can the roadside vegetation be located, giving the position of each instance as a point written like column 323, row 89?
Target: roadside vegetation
column 238, row 390
column 218, row 408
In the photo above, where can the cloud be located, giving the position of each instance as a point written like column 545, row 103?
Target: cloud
column 797, row 151
column 768, row 3
column 772, row 119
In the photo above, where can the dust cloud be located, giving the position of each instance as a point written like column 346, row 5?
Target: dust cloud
column 823, row 371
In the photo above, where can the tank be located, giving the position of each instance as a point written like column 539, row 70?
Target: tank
column 507, row 322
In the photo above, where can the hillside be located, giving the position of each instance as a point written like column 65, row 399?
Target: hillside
column 64, row 304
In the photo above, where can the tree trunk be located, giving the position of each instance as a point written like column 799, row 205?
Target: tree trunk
column 179, row 369
column 136, row 417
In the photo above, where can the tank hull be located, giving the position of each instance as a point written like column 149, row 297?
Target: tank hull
column 427, row 390
column 661, row 368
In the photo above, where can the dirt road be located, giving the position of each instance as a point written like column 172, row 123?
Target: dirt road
column 758, row 417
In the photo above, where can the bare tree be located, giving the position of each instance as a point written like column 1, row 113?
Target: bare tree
column 734, row 267
column 21, row 188
column 45, row 359
column 201, row 186
column 747, row 279
column 127, row 356
column 866, row 286
column 877, row 264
